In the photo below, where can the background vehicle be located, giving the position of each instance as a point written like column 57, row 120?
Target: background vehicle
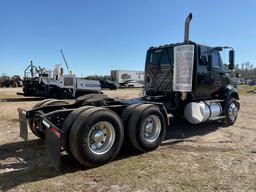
column 108, row 84
column 131, row 84
column 119, row 76
column 14, row 81
column 180, row 79
column 41, row 82
column 5, row 81
column 252, row 82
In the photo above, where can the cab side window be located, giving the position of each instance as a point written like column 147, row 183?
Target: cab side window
column 164, row 57
column 155, row 57
column 203, row 60
column 215, row 59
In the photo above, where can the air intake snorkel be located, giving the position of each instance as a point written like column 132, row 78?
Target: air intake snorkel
column 186, row 34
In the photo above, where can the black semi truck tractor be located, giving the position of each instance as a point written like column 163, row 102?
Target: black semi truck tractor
column 185, row 79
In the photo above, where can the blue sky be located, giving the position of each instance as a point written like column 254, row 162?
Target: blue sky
column 99, row 35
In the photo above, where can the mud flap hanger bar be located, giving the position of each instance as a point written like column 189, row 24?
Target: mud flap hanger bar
column 47, row 110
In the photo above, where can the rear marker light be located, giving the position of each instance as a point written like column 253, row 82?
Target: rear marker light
column 55, row 131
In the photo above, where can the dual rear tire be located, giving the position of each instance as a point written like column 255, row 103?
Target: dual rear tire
column 96, row 134
column 146, row 127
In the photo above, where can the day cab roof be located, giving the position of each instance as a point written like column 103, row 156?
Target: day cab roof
column 177, row 44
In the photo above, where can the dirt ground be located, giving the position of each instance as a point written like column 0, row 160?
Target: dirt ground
column 207, row 157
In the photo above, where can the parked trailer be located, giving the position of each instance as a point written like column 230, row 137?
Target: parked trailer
column 180, row 79
column 120, row 76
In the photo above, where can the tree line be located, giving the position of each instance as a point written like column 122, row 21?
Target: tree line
column 246, row 70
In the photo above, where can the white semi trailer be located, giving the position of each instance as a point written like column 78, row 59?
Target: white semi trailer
column 120, row 76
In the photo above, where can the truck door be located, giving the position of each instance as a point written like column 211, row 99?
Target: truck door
column 216, row 72
column 204, row 83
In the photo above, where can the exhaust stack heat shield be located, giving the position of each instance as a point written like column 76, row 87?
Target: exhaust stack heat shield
column 183, row 68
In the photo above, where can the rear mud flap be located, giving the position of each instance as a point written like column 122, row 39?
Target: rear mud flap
column 53, row 145
column 23, row 124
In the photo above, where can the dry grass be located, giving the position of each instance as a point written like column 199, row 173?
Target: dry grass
column 9, row 93
column 246, row 89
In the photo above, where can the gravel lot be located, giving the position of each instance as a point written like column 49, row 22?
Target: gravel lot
column 207, row 157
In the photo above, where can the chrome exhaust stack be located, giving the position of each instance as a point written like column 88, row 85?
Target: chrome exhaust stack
column 186, row 34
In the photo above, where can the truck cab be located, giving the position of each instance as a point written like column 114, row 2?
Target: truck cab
column 209, row 76
column 184, row 74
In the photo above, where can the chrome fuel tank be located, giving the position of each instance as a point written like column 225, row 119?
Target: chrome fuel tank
column 199, row 112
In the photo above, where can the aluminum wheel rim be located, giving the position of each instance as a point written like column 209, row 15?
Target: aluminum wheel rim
column 232, row 111
column 101, row 137
column 152, row 128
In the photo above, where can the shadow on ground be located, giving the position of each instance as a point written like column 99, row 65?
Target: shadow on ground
column 31, row 163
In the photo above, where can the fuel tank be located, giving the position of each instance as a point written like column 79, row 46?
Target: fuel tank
column 199, row 112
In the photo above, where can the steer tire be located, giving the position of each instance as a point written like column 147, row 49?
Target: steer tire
column 44, row 103
column 230, row 120
column 136, row 126
column 81, row 129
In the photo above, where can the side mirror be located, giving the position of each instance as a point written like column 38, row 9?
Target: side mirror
column 231, row 59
